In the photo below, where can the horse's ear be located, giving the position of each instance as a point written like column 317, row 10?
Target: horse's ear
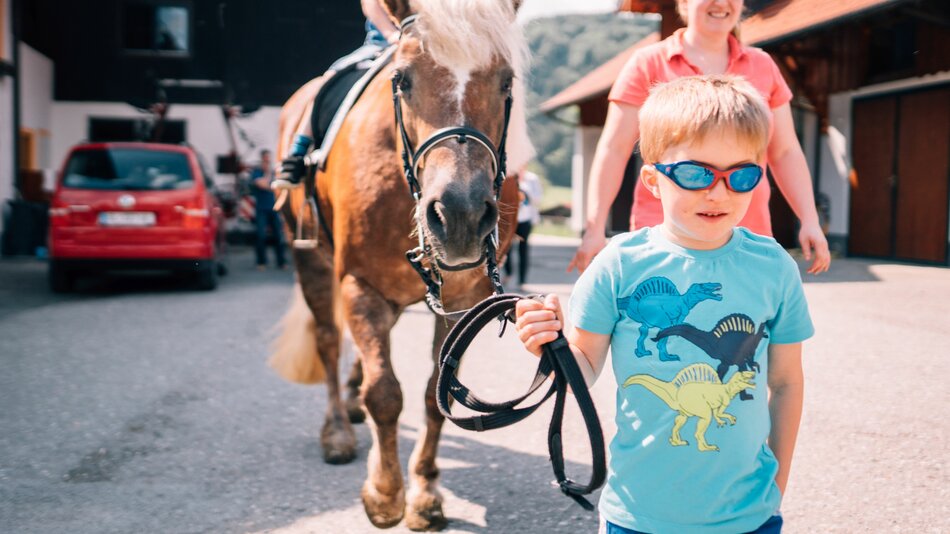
column 397, row 10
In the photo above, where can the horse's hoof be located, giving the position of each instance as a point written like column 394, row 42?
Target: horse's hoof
column 354, row 410
column 424, row 512
column 338, row 457
column 338, row 447
column 383, row 511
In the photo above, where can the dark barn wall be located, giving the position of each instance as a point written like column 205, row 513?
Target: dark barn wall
column 262, row 51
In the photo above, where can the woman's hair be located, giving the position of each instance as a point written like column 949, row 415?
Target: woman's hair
column 687, row 109
column 681, row 11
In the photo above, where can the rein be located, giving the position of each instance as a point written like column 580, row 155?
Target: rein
column 424, row 253
column 556, row 359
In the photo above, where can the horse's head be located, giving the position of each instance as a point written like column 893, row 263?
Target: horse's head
column 454, row 67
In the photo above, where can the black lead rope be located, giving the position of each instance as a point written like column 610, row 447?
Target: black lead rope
column 556, row 358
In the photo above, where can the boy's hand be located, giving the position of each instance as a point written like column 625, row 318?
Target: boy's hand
column 538, row 322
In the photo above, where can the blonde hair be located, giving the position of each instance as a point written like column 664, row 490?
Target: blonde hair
column 687, row 109
column 471, row 33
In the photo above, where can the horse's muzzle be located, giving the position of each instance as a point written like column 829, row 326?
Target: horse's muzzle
column 458, row 231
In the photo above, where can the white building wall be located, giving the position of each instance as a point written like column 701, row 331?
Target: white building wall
column 36, row 89
column 585, row 144
column 205, row 128
column 36, row 101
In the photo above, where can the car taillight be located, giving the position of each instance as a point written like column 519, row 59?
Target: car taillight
column 194, row 214
column 61, row 214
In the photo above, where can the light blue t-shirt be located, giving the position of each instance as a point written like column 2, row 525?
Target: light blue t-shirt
column 690, row 331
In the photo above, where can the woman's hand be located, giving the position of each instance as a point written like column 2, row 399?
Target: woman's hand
column 814, row 244
column 537, row 322
column 592, row 243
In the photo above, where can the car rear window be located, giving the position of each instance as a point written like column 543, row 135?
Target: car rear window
column 128, row 170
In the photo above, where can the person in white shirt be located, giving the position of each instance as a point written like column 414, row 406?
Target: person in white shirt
column 529, row 214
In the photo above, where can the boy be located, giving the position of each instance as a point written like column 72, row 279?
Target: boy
column 696, row 312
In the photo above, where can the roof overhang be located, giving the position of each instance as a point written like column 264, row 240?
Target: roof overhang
column 784, row 19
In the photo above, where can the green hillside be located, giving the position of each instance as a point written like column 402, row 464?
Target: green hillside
column 564, row 49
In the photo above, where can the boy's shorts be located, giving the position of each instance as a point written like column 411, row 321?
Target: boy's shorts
column 772, row 526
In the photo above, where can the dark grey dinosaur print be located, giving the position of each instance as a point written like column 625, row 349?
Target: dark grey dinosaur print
column 732, row 341
column 656, row 303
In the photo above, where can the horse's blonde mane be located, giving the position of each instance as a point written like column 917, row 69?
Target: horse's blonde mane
column 471, row 33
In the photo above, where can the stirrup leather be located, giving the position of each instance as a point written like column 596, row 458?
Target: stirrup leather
column 299, row 242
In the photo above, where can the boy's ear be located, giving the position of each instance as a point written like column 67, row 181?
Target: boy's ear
column 648, row 175
column 398, row 10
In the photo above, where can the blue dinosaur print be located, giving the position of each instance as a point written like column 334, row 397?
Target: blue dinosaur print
column 656, row 303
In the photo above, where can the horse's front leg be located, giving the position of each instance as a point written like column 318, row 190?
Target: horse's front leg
column 370, row 318
column 424, row 508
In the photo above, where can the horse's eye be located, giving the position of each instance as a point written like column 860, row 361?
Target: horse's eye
column 506, row 85
column 402, row 80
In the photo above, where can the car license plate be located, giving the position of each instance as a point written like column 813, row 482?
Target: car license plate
column 127, row 218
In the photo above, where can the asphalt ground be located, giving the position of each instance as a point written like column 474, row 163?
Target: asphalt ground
column 142, row 405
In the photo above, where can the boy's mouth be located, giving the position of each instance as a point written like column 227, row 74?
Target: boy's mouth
column 711, row 215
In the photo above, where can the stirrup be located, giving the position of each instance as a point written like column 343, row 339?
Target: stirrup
column 279, row 185
column 299, row 242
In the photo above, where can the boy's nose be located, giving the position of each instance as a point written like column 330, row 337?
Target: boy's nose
column 718, row 190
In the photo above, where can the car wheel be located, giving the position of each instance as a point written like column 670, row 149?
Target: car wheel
column 222, row 269
column 208, row 278
column 60, row 279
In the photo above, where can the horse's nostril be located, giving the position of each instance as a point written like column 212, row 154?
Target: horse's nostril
column 435, row 219
column 488, row 220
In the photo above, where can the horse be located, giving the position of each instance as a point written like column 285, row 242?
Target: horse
column 454, row 66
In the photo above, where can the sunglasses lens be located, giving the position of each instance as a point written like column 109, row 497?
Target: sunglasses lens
column 745, row 179
column 691, row 176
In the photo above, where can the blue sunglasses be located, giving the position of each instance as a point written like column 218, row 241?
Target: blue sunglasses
column 698, row 176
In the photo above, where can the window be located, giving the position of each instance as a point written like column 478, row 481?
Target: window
column 158, row 29
column 128, row 170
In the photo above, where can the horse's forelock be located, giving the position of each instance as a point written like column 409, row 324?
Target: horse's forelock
column 471, row 33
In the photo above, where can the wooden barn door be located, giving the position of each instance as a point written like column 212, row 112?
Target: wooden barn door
column 900, row 195
column 923, row 167
column 872, row 189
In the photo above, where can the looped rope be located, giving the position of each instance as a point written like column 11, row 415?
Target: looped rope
column 556, row 359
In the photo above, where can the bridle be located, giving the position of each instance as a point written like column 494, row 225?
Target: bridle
column 557, row 361
column 424, row 252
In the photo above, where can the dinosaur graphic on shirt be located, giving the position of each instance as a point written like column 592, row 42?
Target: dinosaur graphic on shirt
column 732, row 341
column 696, row 391
column 656, row 303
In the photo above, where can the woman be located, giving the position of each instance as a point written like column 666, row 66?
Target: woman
column 706, row 46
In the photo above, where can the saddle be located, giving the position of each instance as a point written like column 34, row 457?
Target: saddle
column 336, row 98
column 333, row 102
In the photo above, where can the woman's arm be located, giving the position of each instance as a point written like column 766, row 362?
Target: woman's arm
column 621, row 131
column 786, row 388
column 790, row 170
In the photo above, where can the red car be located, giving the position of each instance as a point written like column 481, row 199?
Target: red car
column 134, row 206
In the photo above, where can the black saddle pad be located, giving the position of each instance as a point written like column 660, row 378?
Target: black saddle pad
column 328, row 101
